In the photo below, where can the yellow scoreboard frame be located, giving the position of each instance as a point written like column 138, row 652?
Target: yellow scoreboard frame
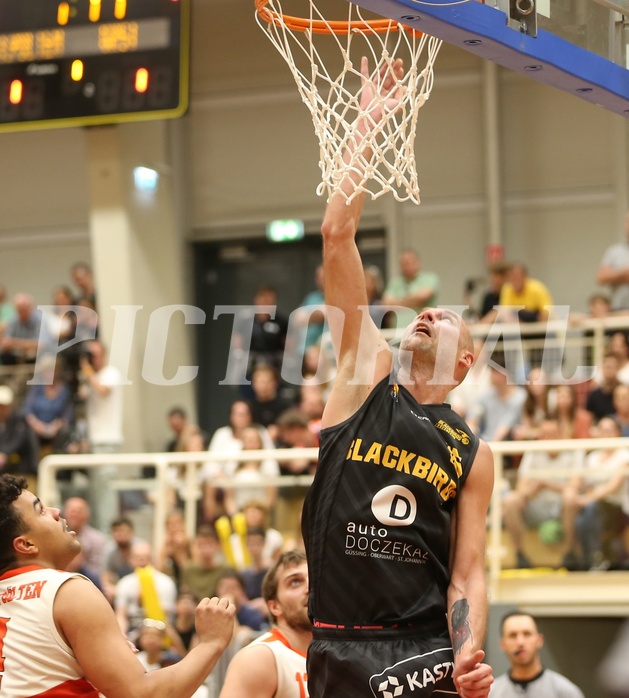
column 90, row 62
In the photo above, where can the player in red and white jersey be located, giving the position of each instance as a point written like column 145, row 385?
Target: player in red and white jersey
column 274, row 664
column 59, row 637
column 37, row 659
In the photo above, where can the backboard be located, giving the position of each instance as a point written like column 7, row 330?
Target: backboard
column 579, row 46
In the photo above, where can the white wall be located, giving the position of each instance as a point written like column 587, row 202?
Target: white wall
column 38, row 262
column 44, row 207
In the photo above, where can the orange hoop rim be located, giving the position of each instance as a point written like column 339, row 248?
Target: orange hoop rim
column 318, row 26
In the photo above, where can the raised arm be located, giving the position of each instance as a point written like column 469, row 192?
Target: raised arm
column 85, row 619
column 612, row 276
column 362, row 354
column 467, row 593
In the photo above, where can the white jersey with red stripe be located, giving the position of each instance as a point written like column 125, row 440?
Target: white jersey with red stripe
column 35, row 660
column 291, row 665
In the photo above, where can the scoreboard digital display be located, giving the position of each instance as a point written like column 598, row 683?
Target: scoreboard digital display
column 82, row 62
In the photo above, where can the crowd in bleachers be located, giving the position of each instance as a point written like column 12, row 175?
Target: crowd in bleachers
column 241, row 530
column 499, row 402
column 40, row 389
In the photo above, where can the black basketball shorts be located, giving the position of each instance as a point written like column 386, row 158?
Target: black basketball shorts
column 387, row 663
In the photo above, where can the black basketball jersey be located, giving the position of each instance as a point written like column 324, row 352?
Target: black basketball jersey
column 377, row 518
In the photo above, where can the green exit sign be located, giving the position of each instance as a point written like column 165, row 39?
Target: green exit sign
column 285, row 230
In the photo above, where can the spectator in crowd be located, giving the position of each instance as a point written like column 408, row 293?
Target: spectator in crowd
column 180, row 428
column 77, row 513
column 594, row 505
column 267, row 404
column 574, row 421
column 538, row 495
column 86, row 321
column 599, row 307
column 522, row 642
column 497, row 410
column 184, row 619
column 253, row 573
column 498, row 273
column 62, row 324
column 412, row 288
column 599, row 403
column 614, row 271
column 318, row 364
column 312, row 403
column 274, row 664
column 118, row 555
column 265, row 344
column 79, row 566
column 25, row 334
column 310, row 315
column 524, row 299
column 314, row 363
column 83, row 279
column 157, row 646
column 145, row 593
column 619, row 345
column 257, row 517
column 176, row 550
column 251, row 473
column 620, row 398
column 521, row 290
column 185, row 436
column 49, row 407
column 200, row 575
column 7, row 310
column 230, row 585
column 80, row 325
column 177, row 472
column 268, row 338
column 540, row 401
column 294, row 432
column 227, row 439
column 18, row 443
column 101, row 389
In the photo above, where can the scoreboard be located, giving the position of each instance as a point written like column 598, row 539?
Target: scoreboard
column 82, row 62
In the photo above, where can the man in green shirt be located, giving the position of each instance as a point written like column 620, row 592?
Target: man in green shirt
column 413, row 288
column 201, row 574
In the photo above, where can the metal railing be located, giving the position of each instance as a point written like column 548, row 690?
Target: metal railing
column 189, row 489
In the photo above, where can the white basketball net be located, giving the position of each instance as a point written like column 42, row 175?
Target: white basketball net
column 386, row 157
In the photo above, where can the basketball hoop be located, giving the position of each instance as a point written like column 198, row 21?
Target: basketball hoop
column 325, row 57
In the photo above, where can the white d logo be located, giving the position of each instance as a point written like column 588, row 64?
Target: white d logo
column 394, row 506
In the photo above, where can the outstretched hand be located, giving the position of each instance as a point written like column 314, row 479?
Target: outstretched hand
column 472, row 678
column 381, row 92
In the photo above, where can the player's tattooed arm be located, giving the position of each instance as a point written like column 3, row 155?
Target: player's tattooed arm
column 459, row 619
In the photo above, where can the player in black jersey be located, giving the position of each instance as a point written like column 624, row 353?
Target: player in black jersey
column 394, row 523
